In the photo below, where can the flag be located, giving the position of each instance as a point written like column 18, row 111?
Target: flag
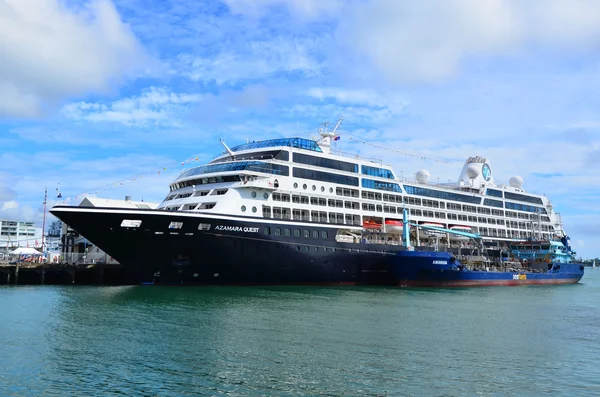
column 337, row 138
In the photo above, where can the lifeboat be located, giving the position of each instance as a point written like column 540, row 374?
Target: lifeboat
column 460, row 228
column 433, row 232
column 370, row 224
column 393, row 226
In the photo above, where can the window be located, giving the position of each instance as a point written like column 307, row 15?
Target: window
column 295, row 185
column 325, row 177
column 299, row 143
column 258, row 166
column 287, row 232
column 372, row 184
column 253, row 194
column 204, row 227
column 523, row 197
column 267, row 230
column 379, row 172
column 306, row 233
column 420, row 191
column 243, row 208
column 175, row 225
column 254, row 209
column 131, row 223
column 324, row 162
column 266, row 195
column 278, row 231
column 315, row 234
column 282, row 155
column 493, row 192
column 296, row 232
column 266, row 211
column 324, row 234
column 493, row 203
column 524, row 207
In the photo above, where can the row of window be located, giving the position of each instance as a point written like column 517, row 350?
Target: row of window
column 523, row 197
column 278, row 231
column 325, row 177
column 310, row 216
column 373, row 184
column 375, row 171
column 282, row 155
column 325, row 162
column 524, row 207
column 421, row 191
column 299, row 143
column 258, row 166
column 493, row 192
column 205, row 181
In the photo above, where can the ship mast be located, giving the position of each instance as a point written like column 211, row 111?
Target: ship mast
column 44, row 221
column 328, row 136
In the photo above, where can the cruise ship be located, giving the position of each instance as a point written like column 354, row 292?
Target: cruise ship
column 294, row 210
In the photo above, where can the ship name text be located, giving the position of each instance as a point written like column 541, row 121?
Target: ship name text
column 237, row 229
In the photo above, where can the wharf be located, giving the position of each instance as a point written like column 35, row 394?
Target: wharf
column 61, row 274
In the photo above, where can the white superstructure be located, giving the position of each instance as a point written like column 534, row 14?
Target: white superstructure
column 304, row 180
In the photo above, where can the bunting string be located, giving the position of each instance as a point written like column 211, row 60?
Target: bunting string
column 154, row 172
column 437, row 160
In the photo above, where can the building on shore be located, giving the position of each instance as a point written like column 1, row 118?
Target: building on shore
column 15, row 234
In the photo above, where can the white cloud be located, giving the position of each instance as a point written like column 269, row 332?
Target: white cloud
column 428, row 40
column 305, row 8
column 411, row 40
column 156, row 105
column 9, row 205
column 49, row 52
column 254, row 61
column 360, row 97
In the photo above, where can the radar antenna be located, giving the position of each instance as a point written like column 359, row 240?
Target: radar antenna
column 328, row 136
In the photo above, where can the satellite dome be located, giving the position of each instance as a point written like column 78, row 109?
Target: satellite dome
column 473, row 171
column 516, row 181
column 423, row 176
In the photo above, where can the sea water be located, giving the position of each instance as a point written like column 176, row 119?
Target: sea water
column 301, row 341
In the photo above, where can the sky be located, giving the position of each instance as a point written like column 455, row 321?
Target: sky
column 115, row 97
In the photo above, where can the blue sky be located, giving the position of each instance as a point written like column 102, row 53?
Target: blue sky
column 98, row 96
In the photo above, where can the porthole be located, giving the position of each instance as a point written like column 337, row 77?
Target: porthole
column 266, row 195
column 304, row 186
column 314, row 188
column 295, row 185
column 253, row 194
column 322, row 188
column 330, row 190
column 243, row 208
column 253, row 209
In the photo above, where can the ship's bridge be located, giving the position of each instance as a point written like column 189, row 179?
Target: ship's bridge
column 256, row 166
column 299, row 143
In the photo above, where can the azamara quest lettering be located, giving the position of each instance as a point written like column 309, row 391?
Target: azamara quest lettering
column 237, row 229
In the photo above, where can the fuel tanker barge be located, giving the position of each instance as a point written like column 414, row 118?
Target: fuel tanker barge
column 532, row 262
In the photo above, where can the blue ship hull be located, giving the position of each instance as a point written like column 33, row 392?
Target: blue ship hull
column 440, row 269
